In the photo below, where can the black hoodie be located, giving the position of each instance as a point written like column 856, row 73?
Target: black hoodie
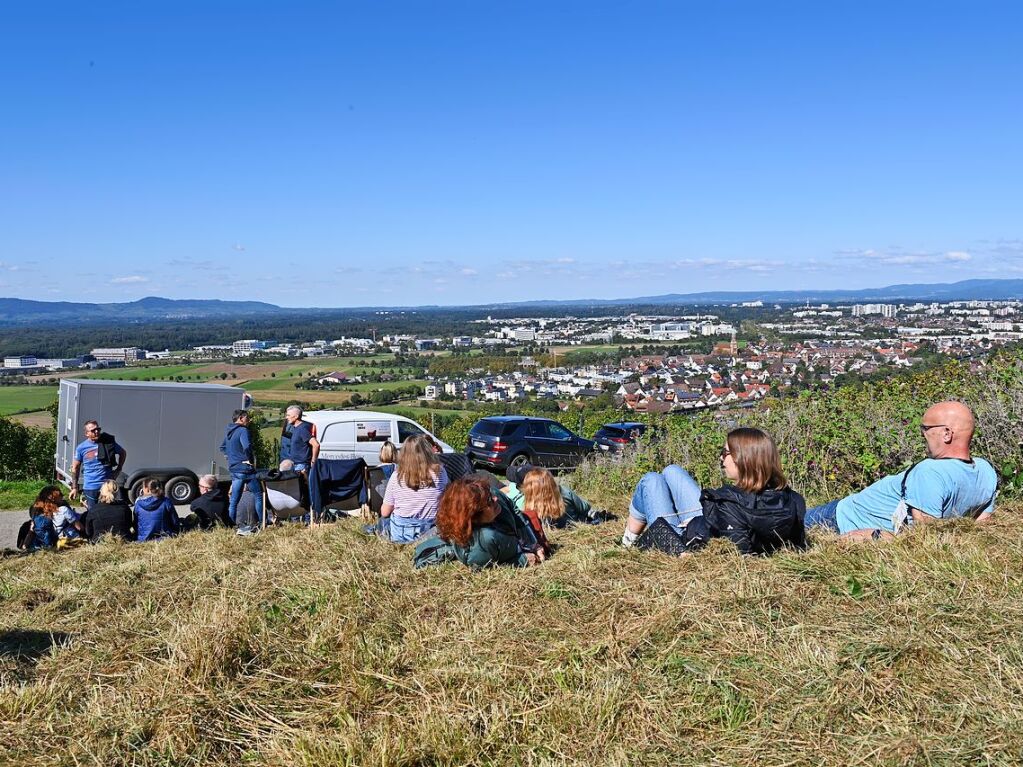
column 757, row 523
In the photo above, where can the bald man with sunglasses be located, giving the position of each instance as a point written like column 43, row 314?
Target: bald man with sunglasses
column 949, row 483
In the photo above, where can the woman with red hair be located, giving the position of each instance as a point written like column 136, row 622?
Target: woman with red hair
column 482, row 532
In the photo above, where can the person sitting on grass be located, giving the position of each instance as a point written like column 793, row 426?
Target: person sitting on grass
column 413, row 492
column 110, row 515
column 542, row 504
column 155, row 515
column 760, row 513
column 210, row 508
column 41, row 532
column 949, row 483
column 577, row 510
column 481, row 532
column 388, row 459
column 67, row 523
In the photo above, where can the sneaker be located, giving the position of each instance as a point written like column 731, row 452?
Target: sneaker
column 247, row 531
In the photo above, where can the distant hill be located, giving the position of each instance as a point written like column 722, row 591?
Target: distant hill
column 17, row 311
column 22, row 311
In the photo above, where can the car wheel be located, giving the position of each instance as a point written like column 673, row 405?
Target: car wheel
column 520, row 460
column 181, row 490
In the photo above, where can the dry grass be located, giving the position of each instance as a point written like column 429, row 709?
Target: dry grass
column 309, row 647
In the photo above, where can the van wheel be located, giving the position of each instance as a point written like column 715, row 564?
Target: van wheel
column 180, row 490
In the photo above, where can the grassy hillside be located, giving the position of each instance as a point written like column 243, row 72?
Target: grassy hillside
column 323, row 647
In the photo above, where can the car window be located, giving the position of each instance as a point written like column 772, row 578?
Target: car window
column 537, row 429
column 613, row 431
column 558, row 431
column 407, row 429
column 490, row 428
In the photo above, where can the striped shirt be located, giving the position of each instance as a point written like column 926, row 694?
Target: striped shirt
column 415, row 504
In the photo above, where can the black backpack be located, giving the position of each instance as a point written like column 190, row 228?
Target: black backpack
column 25, row 535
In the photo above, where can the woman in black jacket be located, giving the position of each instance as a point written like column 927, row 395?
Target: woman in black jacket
column 111, row 515
column 760, row 513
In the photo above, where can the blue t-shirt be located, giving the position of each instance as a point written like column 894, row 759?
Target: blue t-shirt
column 94, row 473
column 299, row 449
column 941, row 488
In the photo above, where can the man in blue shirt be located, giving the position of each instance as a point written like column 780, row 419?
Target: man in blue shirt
column 303, row 448
column 948, row 483
column 99, row 458
column 241, row 463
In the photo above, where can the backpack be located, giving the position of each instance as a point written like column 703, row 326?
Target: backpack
column 433, row 551
column 26, row 536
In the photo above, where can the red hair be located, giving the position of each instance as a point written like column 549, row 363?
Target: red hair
column 464, row 501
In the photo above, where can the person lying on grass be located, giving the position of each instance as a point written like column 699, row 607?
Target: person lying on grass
column 481, row 531
column 760, row 513
column 950, row 482
column 155, row 515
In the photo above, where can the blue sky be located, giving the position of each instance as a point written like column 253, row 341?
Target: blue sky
column 378, row 153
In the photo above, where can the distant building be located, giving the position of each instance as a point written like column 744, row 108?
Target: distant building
column 431, row 392
column 247, row 347
column 426, row 344
column 123, row 354
column 461, row 341
column 525, row 334
column 20, row 362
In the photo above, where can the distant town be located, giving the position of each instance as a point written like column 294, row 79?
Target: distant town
column 707, row 357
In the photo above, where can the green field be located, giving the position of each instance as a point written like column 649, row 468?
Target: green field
column 144, row 373
column 384, row 385
column 23, row 399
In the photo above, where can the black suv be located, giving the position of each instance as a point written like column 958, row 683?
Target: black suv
column 617, row 435
column 501, row 441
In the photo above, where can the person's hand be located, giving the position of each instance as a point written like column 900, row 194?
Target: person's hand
column 532, row 560
column 73, row 494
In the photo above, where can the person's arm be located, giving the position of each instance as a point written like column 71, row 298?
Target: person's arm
column 76, row 466
column 868, row 534
column 246, row 445
column 315, row 445
column 122, row 457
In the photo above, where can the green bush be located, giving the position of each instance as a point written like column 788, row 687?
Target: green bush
column 26, row 453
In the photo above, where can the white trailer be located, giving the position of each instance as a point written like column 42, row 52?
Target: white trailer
column 169, row 430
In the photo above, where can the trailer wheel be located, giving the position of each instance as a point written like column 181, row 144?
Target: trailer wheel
column 135, row 490
column 180, row 490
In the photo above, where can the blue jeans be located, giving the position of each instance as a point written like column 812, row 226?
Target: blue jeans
column 825, row 515
column 671, row 494
column 238, row 482
column 407, row 529
column 90, row 496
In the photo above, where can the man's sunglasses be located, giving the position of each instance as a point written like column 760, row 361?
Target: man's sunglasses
column 924, row 428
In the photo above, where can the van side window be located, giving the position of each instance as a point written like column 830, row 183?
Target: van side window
column 407, row 429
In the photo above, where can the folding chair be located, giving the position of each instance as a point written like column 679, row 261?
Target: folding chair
column 334, row 481
column 284, row 495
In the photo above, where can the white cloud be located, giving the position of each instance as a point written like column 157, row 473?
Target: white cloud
column 958, row 255
column 131, row 279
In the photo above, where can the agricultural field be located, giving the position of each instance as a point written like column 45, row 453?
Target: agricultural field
column 144, row 372
column 23, row 399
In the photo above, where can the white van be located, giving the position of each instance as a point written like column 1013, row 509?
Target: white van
column 360, row 433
